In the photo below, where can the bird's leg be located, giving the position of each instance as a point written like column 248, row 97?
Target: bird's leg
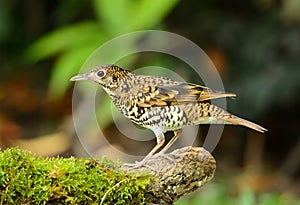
column 177, row 134
column 160, row 139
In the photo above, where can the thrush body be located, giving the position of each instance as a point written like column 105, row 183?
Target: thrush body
column 162, row 104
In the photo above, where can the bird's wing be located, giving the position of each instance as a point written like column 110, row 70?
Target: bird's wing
column 163, row 95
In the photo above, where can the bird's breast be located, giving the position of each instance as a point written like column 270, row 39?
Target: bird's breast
column 168, row 117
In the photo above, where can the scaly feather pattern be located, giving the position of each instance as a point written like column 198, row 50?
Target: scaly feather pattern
column 162, row 104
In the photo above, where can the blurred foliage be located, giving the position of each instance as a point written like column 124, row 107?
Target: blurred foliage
column 74, row 43
column 218, row 194
column 255, row 45
column 270, row 63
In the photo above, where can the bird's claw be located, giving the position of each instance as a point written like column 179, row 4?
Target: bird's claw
column 136, row 165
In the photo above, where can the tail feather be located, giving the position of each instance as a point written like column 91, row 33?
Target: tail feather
column 239, row 121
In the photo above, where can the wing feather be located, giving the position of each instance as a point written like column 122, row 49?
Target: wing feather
column 163, row 95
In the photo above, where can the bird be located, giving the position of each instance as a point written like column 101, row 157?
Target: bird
column 162, row 104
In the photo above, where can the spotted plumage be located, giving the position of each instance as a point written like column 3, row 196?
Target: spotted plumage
column 162, row 104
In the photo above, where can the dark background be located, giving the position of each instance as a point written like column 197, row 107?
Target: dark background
column 255, row 46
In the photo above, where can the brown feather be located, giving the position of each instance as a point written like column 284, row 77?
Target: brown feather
column 239, row 121
column 162, row 95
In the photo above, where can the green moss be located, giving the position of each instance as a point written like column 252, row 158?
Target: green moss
column 28, row 179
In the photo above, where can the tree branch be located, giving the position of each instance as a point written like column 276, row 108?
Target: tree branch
column 179, row 173
column 28, row 179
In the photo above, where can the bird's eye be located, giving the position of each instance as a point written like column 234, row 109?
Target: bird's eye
column 101, row 73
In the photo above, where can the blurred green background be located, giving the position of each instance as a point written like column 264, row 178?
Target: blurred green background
column 255, row 45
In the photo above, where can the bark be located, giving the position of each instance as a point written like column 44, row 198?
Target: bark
column 179, row 173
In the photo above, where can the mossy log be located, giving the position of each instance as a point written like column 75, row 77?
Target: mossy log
column 28, row 179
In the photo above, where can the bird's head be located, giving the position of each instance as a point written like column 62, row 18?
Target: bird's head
column 109, row 76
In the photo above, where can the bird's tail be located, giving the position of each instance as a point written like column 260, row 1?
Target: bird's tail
column 239, row 121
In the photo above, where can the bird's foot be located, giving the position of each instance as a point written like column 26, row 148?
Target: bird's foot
column 136, row 165
column 165, row 156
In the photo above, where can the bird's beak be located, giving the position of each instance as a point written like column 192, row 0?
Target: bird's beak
column 84, row 76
